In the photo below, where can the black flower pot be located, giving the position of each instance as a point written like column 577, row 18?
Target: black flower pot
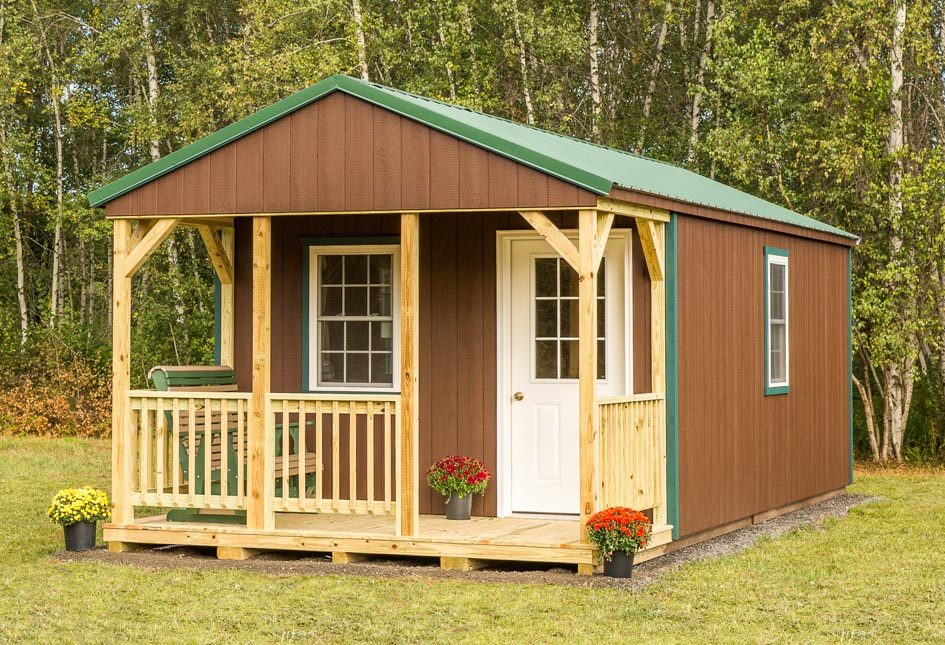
column 80, row 536
column 459, row 508
column 620, row 565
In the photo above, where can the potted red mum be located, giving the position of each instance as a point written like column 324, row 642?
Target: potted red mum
column 459, row 478
column 619, row 532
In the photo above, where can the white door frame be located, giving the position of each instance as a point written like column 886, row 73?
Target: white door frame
column 504, row 241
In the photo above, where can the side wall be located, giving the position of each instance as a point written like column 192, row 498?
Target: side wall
column 741, row 452
column 457, row 322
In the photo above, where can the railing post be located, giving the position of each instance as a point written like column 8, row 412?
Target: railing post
column 408, row 489
column 259, row 514
column 122, row 461
column 587, row 367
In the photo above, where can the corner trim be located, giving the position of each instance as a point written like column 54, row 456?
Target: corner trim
column 672, row 374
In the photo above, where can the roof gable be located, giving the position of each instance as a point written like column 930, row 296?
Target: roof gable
column 592, row 168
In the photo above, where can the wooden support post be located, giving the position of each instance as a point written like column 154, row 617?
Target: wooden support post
column 235, row 553
column 586, row 569
column 658, row 354
column 587, row 366
column 343, row 557
column 128, row 547
column 408, row 488
column 122, row 458
column 449, row 563
column 259, row 514
column 227, row 238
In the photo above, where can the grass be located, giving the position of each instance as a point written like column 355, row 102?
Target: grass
column 875, row 576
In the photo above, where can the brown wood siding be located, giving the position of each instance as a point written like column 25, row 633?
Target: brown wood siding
column 741, row 452
column 457, row 323
column 344, row 154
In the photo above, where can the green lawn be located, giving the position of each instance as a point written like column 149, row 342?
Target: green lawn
column 878, row 575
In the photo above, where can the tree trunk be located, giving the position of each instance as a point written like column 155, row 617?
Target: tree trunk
column 154, row 89
column 654, row 75
column 447, row 64
column 866, row 395
column 362, row 43
column 523, row 65
column 696, row 110
column 595, row 73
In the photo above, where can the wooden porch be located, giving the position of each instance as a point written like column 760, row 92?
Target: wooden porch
column 357, row 494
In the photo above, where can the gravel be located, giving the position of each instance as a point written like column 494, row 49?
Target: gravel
column 280, row 563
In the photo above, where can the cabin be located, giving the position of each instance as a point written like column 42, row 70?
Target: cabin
column 401, row 279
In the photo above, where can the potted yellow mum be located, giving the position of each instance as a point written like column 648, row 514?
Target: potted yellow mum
column 77, row 510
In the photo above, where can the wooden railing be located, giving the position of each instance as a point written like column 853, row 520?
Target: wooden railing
column 341, row 452
column 169, row 433
column 632, row 452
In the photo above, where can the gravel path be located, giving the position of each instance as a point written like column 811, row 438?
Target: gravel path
column 290, row 564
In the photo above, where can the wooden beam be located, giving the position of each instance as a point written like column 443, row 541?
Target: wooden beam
column 450, row 563
column 652, row 248
column 632, row 210
column 553, row 235
column 408, row 490
column 122, row 447
column 658, row 355
column 259, row 513
column 236, row 553
column 227, row 312
column 345, row 557
column 587, row 366
column 605, row 221
column 217, row 253
column 221, row 223
column 141, row 229
column 137, row 256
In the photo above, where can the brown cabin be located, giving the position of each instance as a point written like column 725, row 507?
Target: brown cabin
column 404, row 279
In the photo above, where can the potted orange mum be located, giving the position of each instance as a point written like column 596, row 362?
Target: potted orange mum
column 619, row 532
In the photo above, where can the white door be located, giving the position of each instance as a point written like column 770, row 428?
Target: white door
column 543, row 360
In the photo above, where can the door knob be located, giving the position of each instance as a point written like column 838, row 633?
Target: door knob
column 518, row 396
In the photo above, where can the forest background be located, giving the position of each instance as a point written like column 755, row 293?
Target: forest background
column 832, row 108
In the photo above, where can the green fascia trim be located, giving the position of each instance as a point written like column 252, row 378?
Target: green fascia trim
column 772, row 390
column 307, row 243
column 590, row 166
column 217, row 323
column 850, row 345
column 672, row 376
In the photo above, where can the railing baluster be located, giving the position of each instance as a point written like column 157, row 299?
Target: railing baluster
column 335, row 456
column 285, row 450
column 240, row 452
column 208, row 451
column 175, row 445
column 225, row 444
column 144, row 446
column 300, row 449
column 161, row 458
column 370, row 455
column 191, row 451
column 319, row 456
column 352, row 455
column 388, row 469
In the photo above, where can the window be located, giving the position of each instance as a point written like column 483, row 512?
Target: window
column 355, row 331
column 555, row 320
column 777, row 336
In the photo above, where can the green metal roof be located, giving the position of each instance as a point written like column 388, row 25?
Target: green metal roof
column 590, row 166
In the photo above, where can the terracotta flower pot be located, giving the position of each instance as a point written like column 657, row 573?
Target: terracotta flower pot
column 459, row 508
column 80, row 536
column 620, row 565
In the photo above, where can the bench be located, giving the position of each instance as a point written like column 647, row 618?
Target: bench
column 211, row 378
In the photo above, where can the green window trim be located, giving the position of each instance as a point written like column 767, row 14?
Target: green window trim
column 778, row 388
column 306, row 244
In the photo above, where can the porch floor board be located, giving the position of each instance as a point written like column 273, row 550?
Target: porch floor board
column 484, row 538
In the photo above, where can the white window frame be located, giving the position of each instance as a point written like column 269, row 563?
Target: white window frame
column 314, row 353
column 777, row 257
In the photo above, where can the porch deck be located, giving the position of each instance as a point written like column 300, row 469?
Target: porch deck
column 481, row 538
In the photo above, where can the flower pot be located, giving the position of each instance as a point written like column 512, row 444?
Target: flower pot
column 620, row 565
column 459, row 508
column 80, row 536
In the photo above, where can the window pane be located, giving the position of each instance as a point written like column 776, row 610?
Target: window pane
column 382, row 335
column 330, row 301
column 601, row 318
column 569, row 359
column 546, row 277
column 546, row 359
column 355, row 269
column 381, row 371
column 332, row 336
column 357, row 368
column 331, row 269
column 380, row 298
column 357, row 336
column 569, row 279
column 546, row 318
column 356, row 301
column 570, row 318
column 776, row 302
column 380, row 269
column 333, row 368
column 777, row 355
column 777, row 277
column 601, row 280
column 601, row 359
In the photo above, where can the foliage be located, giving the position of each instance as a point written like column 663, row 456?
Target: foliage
column 460, row 476
column 619, row 529
column 73, row 505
